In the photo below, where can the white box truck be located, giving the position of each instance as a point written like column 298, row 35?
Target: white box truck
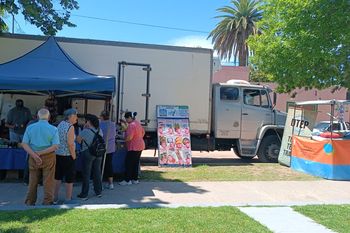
column 234, row 115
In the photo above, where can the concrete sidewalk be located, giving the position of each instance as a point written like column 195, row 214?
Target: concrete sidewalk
column 284, row 220
column 174, row 194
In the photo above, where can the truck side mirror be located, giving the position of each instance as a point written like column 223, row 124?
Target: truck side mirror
column 274, row 99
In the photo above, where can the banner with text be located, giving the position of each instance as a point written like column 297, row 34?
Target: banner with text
column 299, row 122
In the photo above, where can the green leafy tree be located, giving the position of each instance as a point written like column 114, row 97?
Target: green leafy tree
column 238, row 22
column 3, row 26
column 44, row 14
column 306, row 43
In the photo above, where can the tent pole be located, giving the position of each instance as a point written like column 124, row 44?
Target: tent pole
column 122, row 91
column 331, row 120
column 295, row 106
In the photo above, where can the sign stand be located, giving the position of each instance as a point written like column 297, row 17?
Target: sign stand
column 174, row 141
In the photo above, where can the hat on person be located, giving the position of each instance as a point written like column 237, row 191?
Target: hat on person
column 69, row 112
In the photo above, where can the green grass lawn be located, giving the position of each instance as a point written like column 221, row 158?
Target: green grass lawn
column 237, row 172
column 335, row 217
column 222, row 219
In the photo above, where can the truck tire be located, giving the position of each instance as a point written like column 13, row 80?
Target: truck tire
column 269, row 149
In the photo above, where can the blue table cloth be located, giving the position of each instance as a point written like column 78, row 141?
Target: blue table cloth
column 15, row 159
column 12, row 159
column 118, row 161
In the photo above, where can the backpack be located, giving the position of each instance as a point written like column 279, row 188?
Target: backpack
column 97, row 147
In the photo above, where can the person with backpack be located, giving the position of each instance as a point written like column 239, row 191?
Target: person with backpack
column 135, row 145
column 93, row 149
column 65, row 155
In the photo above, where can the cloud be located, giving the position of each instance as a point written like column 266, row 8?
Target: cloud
column 192, row 41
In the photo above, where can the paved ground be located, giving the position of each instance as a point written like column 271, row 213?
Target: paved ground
column 174, row 194
column 284, row 219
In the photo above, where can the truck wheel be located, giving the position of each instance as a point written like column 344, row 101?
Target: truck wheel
column 269, row 149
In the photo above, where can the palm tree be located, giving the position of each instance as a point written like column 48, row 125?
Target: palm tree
column 237, row 24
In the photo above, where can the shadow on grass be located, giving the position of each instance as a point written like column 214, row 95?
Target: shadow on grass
column 25, row 217
column 15, row 230
column 158, row 176
column 153, row 161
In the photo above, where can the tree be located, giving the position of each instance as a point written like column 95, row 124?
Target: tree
column 42, row 13
column 306, row 43
column 239, row 21
column 3, row 26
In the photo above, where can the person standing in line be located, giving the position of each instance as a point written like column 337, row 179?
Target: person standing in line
column 65, row 155
column 26, row 165
column 17, row 120
column 108, row 128
column 135, row 145
column 91, row 163
column 40, row 141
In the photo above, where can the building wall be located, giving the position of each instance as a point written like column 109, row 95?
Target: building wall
column 231, row 72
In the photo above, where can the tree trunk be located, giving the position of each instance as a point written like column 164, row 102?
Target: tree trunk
column 243, row 56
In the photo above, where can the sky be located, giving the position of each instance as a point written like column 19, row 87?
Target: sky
column 196, row 15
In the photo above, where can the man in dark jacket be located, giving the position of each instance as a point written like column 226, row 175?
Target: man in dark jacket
column 17, row 120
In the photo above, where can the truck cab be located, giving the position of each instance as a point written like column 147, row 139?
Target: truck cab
column 244, row 118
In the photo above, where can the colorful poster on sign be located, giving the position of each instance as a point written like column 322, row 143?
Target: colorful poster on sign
column 174, row 141
column 299, row 122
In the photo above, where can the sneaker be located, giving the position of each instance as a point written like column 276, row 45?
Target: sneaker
column 135, row 181
column 109, row 186
column 123, row 183
column 99, row 195
column 82, row 197
column 55, row 202
column 70, row 202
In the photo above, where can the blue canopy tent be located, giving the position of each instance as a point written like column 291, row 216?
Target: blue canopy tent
column 48, row 68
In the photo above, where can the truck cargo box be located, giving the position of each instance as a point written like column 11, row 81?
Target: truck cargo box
column 179, row 76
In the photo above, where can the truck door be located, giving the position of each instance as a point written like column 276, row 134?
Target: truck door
column 133, row 90
column 256, row 112
column 227, row 112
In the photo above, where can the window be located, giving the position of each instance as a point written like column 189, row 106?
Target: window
column 347, row 125
column 264, row 99
column 252, row 97
column 229, row 93
column 256, row 98
column 335, row 127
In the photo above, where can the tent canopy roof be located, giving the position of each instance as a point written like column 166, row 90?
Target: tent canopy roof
column 49, row 68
